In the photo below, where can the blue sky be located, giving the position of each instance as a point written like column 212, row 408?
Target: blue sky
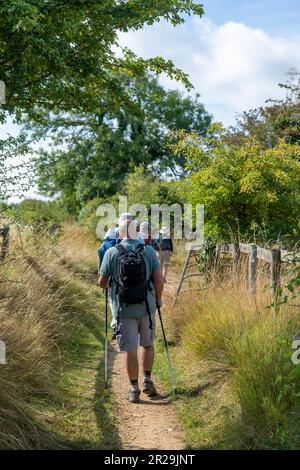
column 274, row 16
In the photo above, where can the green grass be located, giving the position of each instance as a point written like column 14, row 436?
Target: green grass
column 52, row 389
column 238, row 388
column 197, row 403
column 82, row 412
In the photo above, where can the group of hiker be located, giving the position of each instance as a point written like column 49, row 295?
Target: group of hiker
column 162, row 245
column 133, row 267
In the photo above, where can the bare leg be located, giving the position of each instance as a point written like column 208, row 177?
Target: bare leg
column 147, row 358
column 162, row 268
column 132, row 365
column 166, row 266
column 147, row 361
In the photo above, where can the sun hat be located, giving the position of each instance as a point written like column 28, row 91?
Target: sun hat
column 111, row 233
column 165, row 231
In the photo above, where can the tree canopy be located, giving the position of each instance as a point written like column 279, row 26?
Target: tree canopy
column 278, row 119
column 62, row 53
column 92, row 153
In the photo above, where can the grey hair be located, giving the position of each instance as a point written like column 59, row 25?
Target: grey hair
column 128, row 229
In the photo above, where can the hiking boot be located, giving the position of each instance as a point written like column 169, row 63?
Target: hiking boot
column 149, row 389
column 134, row 395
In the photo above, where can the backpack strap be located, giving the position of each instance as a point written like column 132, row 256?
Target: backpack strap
column 121, row 249
column 139, row 249
column 148, row 308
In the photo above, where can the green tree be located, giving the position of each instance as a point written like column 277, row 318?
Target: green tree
column 245, row 188
column 93, row 153
column 61, row 53
column 278, row 119
column 141, row 187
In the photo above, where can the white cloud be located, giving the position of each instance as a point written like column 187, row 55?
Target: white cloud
column 234, row 67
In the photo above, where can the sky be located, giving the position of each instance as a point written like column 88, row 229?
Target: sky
column 273, row 16
column 235, row 55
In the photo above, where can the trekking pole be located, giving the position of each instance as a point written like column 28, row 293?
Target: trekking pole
column 106, row 341
column 167, row 350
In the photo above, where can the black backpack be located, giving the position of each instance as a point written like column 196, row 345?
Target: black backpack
column 133, row 285
column 165, row 244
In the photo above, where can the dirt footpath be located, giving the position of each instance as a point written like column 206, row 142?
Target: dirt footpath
column 150, row 424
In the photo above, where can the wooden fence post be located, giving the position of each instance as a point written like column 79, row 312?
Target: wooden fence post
column 217, row 256
column 235, row 262
column 275, row 274
column 252, row 269
column 4, row 231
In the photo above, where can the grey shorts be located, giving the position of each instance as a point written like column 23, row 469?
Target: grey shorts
column 134, row 332
column 164, row 257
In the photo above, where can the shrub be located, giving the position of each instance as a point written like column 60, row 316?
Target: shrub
column 242, row 186
column 37, row 214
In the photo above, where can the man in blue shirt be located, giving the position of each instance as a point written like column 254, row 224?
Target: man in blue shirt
column 133, row 319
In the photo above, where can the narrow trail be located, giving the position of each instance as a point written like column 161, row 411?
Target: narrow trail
column 150, row 424
column 170, row 287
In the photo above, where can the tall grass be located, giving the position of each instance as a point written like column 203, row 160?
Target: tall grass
column 222, row 329
column 40, row 305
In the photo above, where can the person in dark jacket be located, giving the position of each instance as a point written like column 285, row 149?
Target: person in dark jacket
column 165, row 251
column 146, row 235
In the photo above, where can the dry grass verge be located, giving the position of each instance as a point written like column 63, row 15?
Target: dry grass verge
column 238, row 386
column 49, row 321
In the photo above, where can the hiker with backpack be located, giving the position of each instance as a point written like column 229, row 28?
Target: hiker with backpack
column 111, row 238
column 133, row 271
column 146, row 235
column 165, row 251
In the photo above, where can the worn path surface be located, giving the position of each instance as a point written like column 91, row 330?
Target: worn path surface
column 150, row 424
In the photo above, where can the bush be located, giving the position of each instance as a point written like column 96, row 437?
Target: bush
column 140, row 187
column 243, row 187
column 88, row 217
column 39, row 215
